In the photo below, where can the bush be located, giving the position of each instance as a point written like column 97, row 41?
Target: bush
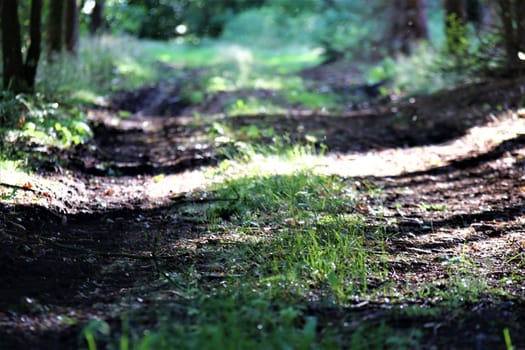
column 269, row 27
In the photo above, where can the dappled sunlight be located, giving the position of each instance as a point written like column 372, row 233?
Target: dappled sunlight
column 391, row 162
column 271, row 165
column 163, row 187
column 243, row 57
column 262, row 174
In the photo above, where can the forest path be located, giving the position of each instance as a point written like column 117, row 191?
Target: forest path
column 84, row 242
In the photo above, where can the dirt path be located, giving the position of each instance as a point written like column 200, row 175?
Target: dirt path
column 79, row 241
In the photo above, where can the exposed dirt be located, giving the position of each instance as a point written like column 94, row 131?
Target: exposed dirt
column 82, row 232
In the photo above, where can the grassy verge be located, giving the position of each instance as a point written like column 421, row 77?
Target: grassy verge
column 293, row 247
column 291, row 259
column 55, row 116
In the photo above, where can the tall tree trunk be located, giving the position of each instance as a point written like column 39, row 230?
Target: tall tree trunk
column 519, row 13
column 55, row 25
column 417, row 18
column 71, row 27
column 11, row 45
column 97, row 17
column 509, row 35
column 409, row 24
column 33, row 52
column 17, row 75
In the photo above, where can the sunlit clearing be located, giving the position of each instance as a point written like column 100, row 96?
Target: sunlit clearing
column 9, row 171
column 87, row 96
column 266, row 165
column 392, row 162
column 163, row 186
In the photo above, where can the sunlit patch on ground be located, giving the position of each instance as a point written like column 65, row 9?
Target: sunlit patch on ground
column 391, row 162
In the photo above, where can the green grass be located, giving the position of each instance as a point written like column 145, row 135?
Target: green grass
column 33, row 120
column 298, row 240
column 109, row 64
column 292, row 253
column 238, row 320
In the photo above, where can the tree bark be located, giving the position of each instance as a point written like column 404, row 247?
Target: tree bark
column 409, row 24
column 11, row 45
column 55, row 25
column 509, row 38
column 519, row 13
column 33, row 52
column 19, row 76
column 97, row 17
column 71, row 27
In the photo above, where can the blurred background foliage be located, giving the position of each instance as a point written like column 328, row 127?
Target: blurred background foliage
column 389, row 49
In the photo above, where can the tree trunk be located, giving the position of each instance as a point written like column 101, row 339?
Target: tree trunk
column 409, row 24
column 55, row 25
column 33, row 52
column 417, row 19
column 11, row 46
column 97, row 17
column 519, row 13
column 17, row 75
column 71, row 27
column 511, row 46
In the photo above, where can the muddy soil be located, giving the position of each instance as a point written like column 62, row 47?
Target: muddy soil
column 84, row 234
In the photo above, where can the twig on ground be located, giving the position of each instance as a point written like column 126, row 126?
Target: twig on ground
column 101, row 253
column 20, row 187
column 181, row 199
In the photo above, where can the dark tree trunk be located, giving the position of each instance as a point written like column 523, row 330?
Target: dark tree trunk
column 19, row 76
column 55, row 25
column 71, row 27
column 417, row 16
column 33, row 52
column 409, row 24
column 97, row 17
column 456, row 7
column 511, row 47
column 11, row 46
column 519, row 12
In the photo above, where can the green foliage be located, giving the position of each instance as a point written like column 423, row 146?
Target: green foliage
column 10, row 111
column 456, row 34
column 33, row 120
column 463, row 286
column 349, row 27
column 104, row 65
column 240, row 320
column 254, row 106
column 508, row 339
column 312, row 100
column 318, row 245
column 385, row 70
column 269, row 27
column 410, row 74
column 383, row 336
column 432, row 207
column 95, row 329
column 159, row 19
column 275, row 194
column 424, row 71
column 300, row 242
column 48, row 124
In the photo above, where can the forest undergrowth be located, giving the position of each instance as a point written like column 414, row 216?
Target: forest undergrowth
column 259, row 202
